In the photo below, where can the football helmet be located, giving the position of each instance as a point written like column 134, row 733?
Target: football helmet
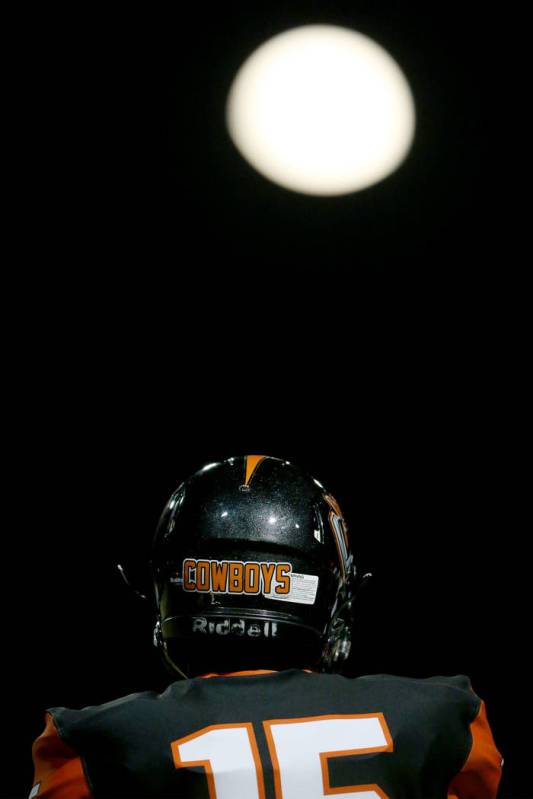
column 252, row 568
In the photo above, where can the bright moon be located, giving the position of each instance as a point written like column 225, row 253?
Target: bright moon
column 321, row 110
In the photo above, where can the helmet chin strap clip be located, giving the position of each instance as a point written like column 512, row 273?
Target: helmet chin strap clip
column 158, row 638
column 341, row 649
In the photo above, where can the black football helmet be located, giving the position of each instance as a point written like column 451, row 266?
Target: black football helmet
column 252, row 568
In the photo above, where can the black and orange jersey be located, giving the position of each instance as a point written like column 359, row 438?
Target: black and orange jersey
column 293, row 734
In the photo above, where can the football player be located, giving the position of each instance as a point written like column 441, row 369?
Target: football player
column 254, row 586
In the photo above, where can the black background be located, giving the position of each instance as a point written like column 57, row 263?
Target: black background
column 167, row 306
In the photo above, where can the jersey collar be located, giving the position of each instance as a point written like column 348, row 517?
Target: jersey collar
column 244, row 673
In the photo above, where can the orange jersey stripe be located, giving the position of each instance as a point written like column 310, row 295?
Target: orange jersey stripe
column 58, row 769
column 244, row 673
column 481, row 774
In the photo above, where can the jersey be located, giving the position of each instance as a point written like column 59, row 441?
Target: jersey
column 293, row 734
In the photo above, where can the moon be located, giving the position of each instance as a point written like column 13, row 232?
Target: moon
column 322, row 110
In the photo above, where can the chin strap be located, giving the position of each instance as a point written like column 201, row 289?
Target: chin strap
column 128, row 583
column 158, row 640
column 339, row 633
column 160, row 644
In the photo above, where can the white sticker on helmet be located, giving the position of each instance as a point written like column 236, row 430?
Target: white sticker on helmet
column 303, row 590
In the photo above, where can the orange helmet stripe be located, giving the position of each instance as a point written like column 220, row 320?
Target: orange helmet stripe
column 252, row 462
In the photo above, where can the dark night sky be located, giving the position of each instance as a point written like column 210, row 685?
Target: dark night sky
column 140, row 174
column 171, row 307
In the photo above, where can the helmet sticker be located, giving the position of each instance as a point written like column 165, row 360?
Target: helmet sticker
column 303, row 589
column 273, row 580
column 235, row 577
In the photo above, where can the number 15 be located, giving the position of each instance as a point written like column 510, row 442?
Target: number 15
column 299, row 750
